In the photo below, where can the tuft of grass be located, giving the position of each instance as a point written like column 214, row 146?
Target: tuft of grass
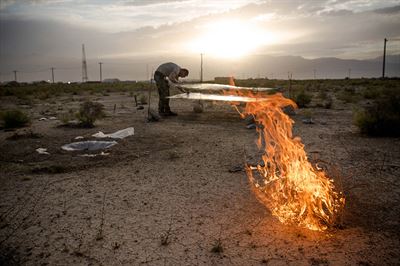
column 307, row 113
column 143, row 99
column 371, row 93
column 328, row 102
column 89, row 112
column 348, row 95
column 66, row 117
column 217, row 248
column 49, row 169
column 322, row 95
column 14, row 119
column 302, row 99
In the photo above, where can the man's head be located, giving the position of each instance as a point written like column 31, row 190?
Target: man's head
column 183, row 72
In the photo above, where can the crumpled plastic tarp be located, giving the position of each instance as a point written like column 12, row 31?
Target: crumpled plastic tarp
column 90, row 145
column 120, row 134
column 42, row 151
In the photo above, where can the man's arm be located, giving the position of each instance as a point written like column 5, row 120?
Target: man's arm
column 178, row 86
column 173, row 78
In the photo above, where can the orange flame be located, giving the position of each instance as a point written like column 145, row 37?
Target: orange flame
column 287, row 183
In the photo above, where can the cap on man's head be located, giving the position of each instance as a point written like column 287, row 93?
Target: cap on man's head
column 184, row 72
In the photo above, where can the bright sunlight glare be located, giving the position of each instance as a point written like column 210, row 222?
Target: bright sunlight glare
column 231, row 39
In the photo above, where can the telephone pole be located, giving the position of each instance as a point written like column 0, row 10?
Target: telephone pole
column 201, row 68
column 84, row 65
column 384, row 58
column 15, row 75
column 52, row 74
column 290, row 84
column 101, row 72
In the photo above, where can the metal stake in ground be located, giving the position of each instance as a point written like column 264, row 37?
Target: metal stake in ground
column 148, row 109
column 151, row 115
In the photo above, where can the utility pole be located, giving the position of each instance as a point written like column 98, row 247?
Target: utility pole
column 15, row 75
column 84, row 65
column 101, row 73
column 201, row 68
column 384, row 58
column 290, row 84
column 52, row 74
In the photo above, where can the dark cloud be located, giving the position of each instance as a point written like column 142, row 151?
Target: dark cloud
column 388, row 10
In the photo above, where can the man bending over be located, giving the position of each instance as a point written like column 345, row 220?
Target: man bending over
column 172, row 72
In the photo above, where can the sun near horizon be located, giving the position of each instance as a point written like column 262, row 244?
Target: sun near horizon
column 231, row 38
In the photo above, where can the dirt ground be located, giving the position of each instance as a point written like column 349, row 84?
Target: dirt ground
column 171, row 194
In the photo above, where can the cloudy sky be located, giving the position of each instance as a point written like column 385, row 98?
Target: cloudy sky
column 132, row 37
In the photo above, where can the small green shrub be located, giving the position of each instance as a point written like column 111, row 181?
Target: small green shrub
column 322, row 95
column 42, row 95
column 14, row 119
column 371, row 93
column 307, row 113
column 302, row 99
column 143, row 99
column 328, row 102
column 66, row 117
column 382, row 118
column 348, row 95
column 89, row 112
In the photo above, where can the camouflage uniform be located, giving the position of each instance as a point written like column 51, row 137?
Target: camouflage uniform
column 163, row 92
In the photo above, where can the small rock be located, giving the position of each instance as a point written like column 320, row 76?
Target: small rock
column 153, row 116
column 236, row 168
column 251, row 126
column 249, row 120
column 289, row 110
column 308, row 121
column 198, row 108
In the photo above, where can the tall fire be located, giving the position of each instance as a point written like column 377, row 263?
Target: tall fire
column 294, row 190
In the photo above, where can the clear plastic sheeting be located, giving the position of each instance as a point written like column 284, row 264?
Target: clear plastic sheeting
column 90, row 145
column 120, row 134
column 217, row 87
column 216, row 97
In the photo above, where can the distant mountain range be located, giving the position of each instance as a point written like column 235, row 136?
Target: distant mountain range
column 302, row 68
column 273, row 67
